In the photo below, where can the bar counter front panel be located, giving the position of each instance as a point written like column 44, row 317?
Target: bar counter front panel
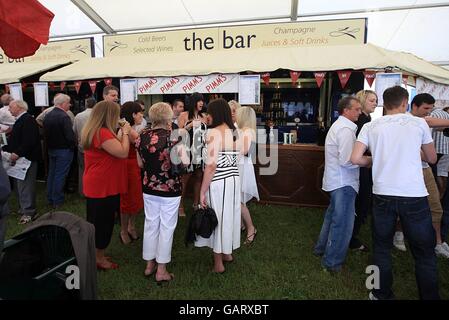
column 298, row 179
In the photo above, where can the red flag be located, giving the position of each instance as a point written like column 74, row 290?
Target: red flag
column 6, row 88
column 77, row 86
column 24, row 86
column 52, row 85
column 344, row 75
column 62, row 85
column 93, row 85
column 370, row 76
column 108, row 81
column 294, row 75
column 319, row 77
column 23, row 31
column 266, row 78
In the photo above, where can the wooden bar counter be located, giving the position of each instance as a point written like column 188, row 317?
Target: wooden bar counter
column 298, row 179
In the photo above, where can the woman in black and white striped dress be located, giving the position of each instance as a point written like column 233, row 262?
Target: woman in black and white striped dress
column 221, row 188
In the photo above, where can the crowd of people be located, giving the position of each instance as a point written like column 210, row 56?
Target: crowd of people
column 384, row 167
column 394, row 168
column 126, row 166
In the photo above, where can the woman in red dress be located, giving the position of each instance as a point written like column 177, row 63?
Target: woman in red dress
column 104, row 176
column 131, row 202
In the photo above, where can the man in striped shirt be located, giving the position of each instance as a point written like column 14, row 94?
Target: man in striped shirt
column 441, row 146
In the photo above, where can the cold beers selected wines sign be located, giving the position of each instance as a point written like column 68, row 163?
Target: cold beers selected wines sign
column 213, row 83
column 300, row 34
column 56, row 51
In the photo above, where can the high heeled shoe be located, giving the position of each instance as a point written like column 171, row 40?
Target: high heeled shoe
column 249, row 241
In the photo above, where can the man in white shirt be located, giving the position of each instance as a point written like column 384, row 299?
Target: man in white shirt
column 7, row 120
column 177, row 107
column 78, row 125
column 341, row 180
column 396, row 141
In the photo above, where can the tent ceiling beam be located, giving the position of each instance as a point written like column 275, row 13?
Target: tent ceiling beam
column 205, row 24
column 94, row 16
column 294, row 10
column 374, row 10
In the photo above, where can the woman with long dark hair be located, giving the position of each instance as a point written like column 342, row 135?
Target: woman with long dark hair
column 131, row 202
column 194, row 121
column 221, row 186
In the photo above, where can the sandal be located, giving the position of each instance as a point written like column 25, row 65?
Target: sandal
column 133, row 235
column 25, row 219
column 148, row 272
column 162, row 281
column 248, row 241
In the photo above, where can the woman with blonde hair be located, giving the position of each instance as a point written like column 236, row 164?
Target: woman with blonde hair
column 246, row 122
column 368, row 100
column 161, row 189
column 105, row 173
column 234, row 105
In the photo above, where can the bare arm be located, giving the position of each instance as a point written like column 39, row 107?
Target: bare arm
column 211, row 164
column 139, row 160
column 428, row 153
column 357, row 155
column 118, row 148
column 182, row 119
column 437, row 122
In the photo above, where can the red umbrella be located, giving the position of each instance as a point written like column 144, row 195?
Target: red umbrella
column 24, row 26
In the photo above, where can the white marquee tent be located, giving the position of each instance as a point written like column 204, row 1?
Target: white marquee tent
column 419, row 27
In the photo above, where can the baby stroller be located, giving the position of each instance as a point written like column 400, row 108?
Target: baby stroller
column 53, row 259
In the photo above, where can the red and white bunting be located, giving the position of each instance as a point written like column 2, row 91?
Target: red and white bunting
column 295, row 76
column 93, row 86
column 369, row 76
column 108, row 81
column 319, row 77
column 77, row 86
column 62, row 85
column 344, row 75
column 266, row 78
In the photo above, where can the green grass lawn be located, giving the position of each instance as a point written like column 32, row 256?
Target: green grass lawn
column 279, row 265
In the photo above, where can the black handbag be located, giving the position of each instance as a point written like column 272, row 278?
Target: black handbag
column 202, row 223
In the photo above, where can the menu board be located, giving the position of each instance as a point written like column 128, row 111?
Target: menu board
column 128, row 90
column 249, row 89
column 41, row 94
column 385, row 81
column 15, row 90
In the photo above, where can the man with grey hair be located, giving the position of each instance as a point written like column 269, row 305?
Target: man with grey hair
column 61, row 140
column 6, row 118
column 24, row 141
column 110, row 93
column 40, row 118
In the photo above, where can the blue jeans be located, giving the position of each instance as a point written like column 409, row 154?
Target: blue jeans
column 58, row 169
column 416, row 221
column 336, row 231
